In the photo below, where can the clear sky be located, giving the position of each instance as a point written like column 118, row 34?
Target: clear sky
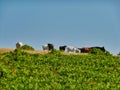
column 80, row 23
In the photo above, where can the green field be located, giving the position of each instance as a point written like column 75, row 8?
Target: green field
column 54, row 71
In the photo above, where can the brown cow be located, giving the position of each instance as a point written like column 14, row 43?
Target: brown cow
column 85, row 49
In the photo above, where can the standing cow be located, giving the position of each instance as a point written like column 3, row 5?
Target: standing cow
column 19, row 44
column 72, row 49
column 45, row 47
column 48, row 47
column 62, row 48
column 84, row 49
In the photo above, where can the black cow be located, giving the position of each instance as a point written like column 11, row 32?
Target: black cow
column 62, row 48
column 50, row 46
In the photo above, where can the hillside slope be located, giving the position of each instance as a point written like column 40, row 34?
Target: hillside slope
column 21, row 70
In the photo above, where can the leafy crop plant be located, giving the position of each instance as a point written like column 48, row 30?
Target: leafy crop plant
column 55, row 71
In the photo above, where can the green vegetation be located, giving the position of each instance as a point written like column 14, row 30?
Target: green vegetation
column 54, row 71
column 27, row 47
column 97, row 51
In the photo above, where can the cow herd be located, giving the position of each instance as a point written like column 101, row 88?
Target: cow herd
column 71, row 49
column 65, row 48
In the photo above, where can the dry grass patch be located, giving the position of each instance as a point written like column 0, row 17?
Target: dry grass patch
column 36, row 51
column 66, row 53
column 4, row 50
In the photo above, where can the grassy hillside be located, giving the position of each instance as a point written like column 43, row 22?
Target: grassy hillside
column 54, row 71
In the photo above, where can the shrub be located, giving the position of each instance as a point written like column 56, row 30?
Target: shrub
column 108, row 53
column 27, row 47
column 96, row 51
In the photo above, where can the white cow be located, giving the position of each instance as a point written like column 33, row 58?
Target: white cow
column 45, row 47
column 72, row 49
column 19, row 44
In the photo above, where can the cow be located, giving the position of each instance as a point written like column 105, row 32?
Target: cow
column 62, row 48
column 48, row 46
column 84, row 49
column 19, row 44
column 45, row 47
column 72, row 49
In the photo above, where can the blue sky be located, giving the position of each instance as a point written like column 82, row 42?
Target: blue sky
column 80, row 23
